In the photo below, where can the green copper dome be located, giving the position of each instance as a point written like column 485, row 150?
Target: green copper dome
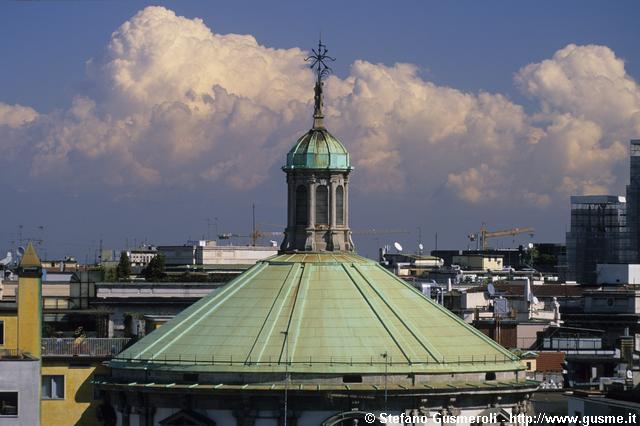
column 318, row 149
column 324, row 313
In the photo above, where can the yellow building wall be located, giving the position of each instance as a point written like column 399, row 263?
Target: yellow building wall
column 78, row 406
column 29, row 316
column 531, row 362
column 10, row 331
column 483, row 263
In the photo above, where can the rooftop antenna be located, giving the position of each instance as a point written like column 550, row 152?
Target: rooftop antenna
column 208, row 220
column 41, row 241
column 254, row 235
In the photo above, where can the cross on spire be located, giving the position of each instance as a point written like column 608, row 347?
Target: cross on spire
column 322, row 70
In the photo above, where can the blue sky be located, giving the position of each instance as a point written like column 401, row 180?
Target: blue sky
column 468, row 46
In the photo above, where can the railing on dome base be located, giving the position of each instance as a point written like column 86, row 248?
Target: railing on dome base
column 83, row 347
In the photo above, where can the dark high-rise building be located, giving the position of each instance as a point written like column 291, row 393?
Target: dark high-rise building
column 598, row 235
column 633, row 201
column 605, row 228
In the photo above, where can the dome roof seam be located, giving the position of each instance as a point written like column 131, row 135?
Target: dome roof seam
column 295, row 269
column 377, row 315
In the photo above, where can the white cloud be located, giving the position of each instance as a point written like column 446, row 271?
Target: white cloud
column 158, row 57
column 180, row 107
column 587, row 81
column 476, row 184
column 15, row 116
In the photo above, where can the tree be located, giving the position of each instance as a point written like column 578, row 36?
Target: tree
column 155, row 269
column 123, row 271
column 110, row 274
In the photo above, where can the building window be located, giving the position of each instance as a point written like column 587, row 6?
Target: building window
column 528, row 365
column 322, row 205
column 490, row 376
column 339, row 205
column 301, row 205
column 8, row 403
column 352, row 378
column 53, row 387
column 1, row 332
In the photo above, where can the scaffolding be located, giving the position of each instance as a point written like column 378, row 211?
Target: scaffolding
column 633, row 202
column 598, row 234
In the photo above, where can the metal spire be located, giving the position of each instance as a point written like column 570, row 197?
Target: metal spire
column 322, row 70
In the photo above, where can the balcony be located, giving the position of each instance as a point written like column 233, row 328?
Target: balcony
column 83, row 347
column 15, row 355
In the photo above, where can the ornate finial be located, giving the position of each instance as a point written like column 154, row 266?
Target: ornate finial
column 322, row 70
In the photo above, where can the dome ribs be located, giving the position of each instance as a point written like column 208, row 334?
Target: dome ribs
column 295, row 316
column 419, row 337
column 192, row 316
column 274, row 313
column 393, row 334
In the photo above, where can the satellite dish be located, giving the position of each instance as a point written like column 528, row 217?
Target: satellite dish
column 397, row 246
column 7, row 260
column 20, row 251
column 491, row 289
column 530, row 246
column 629, row 374
column 420, row 246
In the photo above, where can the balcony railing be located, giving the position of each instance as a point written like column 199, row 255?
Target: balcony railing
column 83, row 347
column 14, row 355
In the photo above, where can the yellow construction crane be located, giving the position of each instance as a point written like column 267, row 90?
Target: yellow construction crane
column 374, row 231
column 484, row 235
column 254, row 236
column 258, row 233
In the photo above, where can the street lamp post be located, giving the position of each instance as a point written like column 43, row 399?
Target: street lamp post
column 386, row 366
column 286, row 375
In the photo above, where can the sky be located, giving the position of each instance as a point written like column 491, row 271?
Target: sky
column 123, row 122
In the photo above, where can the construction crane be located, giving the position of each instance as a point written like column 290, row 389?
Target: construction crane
column 257, row 233
column 371, row 231
column 484, row 235
column 374, row 231
column 254, row 236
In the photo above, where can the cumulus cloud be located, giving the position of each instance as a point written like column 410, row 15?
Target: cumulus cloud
column 15, row 116
column 577, row 143
column 589, row 82
column 180, row 106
